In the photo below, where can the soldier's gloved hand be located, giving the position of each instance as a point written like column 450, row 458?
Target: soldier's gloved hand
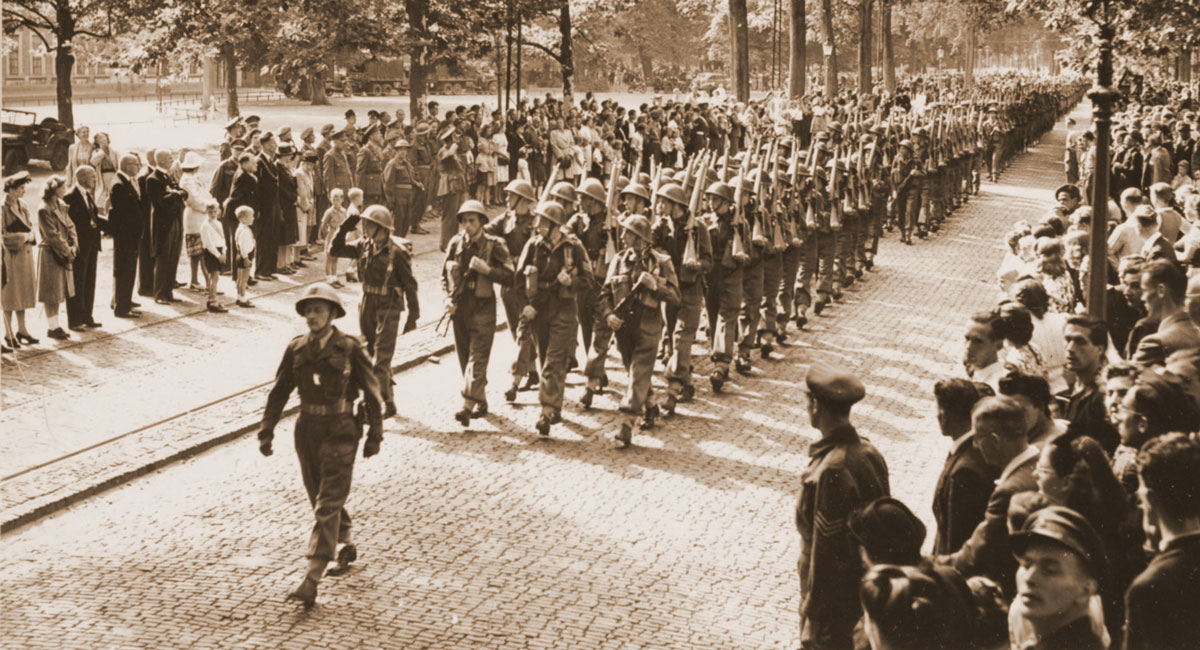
column 648, row 281
column 528, row 313
column 264, row 446
column 564, row 278
column 371, row 446
column 411, row 323
column 479, row 266
column 614, row 322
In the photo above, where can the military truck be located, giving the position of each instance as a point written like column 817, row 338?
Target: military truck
column 26, row 139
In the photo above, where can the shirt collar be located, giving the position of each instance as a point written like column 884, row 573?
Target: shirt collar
column 842, row 435
column 1014, row 464
column 963, row 440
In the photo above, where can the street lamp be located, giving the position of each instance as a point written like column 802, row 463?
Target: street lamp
column 1103, row 96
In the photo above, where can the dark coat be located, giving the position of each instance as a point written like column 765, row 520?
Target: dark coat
column 1175, row 332
column 1160, row 605
column 222, row 180
column 166, row 210
column 268, row 191
column 125, row 217
column 83, row 214
column 961, row 498
column 244, row 192
column 988, row 551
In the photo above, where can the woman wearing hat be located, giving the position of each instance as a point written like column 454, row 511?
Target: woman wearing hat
column 105, row 161
column 19, row 293
column 59, row 246
column 194, row 214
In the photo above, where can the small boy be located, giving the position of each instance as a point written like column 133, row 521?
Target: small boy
column 355, row 210
column 212, row 238
column 330, row 222
column 244, row 240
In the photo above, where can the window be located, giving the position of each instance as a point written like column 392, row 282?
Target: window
column 12, row 63
column 37, row 68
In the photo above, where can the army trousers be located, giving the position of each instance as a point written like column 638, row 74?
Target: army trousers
column 816, row 267
column 637, row 342
column 513, row 299
column 848, row 244
column 326, row 446
column 914, row 217
column 876, row 214
column 724, row 305
column 586, row 297
column 474, row 331
column 379, row 322
column 687, row 321
column 554, row 329
column 401, row 207
column 752, row 291
column 790, row 267
column 772, row 271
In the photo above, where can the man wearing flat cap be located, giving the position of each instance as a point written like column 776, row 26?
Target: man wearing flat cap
column 369, row 170
column 399, row 183
column 844, row 473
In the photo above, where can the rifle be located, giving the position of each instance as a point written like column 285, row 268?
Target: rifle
column 610, row 212
column 835, row 221
column 757, row 236
column 793, row 232
column 691, row 257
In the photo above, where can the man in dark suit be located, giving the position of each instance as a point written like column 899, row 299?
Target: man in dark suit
column 1164, row 291
column 125, row 226
column 222, row 185
column 81, row 208
column 1160, row 605
column 999, row 430
column 966, row 481
column 166, row 227
column 145, row 255
column 269, row 219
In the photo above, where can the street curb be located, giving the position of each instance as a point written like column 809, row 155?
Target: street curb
column 126, row 476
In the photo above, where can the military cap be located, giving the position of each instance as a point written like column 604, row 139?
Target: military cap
column 285, row 150
column 921, row 132
column 306, row 133
column 748, row 183
column 321, row 291
column 830, row 382
column 265, row 136
column 644, row 179
column 372, row 113
column 285, row 132
column 1064, row 527
column 252, row 118
column 823, row 136
column 327, row 129
column 237, row 121
column 238, row 143
column 348, row 132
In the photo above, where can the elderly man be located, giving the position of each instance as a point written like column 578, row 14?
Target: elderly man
column 166, row 227
column 81, row 208
column 125, row 226
column 844, row 473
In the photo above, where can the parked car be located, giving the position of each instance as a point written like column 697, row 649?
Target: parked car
column 26, row 139
column 707, row 82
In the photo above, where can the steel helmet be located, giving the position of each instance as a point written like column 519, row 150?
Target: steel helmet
column 521, row 188
column 638, row 225
column 674, row 193
column 550, row 210
column 749, row 179
column 622, row 182
column 637, row 189
column 680, row 177
column 722, row 190
column 378, row 214
column 906, row 144
column 565, row 191
column 594, row 189
column 644, row 179
column 321, row 291
column 667, row 172
column 471, row 206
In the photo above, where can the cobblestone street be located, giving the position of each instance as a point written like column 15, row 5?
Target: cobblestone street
column 487, row 537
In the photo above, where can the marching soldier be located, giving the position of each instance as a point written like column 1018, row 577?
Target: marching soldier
column 385, row 268
column 844, row 472
column 906, row 195
column 752, row 274
column 474, row 262
column 399, row 184
column 588, row 225
column 792, row 224
column 877, row 197
column 688, row 244
column 820, row 242
column 724, row 303
column 553, row 263
column 369, row 170
column 423, row 154
column 772, row 254
column 329, row 369
column 515, row 226
column 640, row 279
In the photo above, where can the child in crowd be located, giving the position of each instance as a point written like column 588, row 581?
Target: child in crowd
column 244, row 240
column 212, row 238
column 330, row 222
column 355, row 209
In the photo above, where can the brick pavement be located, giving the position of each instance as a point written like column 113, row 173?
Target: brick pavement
column 492, row 538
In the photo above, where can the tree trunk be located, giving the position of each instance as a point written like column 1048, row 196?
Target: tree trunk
column 566, row 59
column 797, row 59
column 969, row 58
column 646, row 60
column 231, row 82
column 831, row 80
column 865, row 30
column 64, row 62
column 889, row 56
column 418, row 74
column 316, row 79
column 740, row 36
column 207, row 80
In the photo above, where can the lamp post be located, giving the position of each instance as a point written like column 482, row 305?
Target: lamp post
column 1103, row 96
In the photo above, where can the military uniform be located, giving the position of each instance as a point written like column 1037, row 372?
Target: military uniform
column 817, row 251
column 553, row 325
column 642, row 326
column 725, row 281
column 752, row 282
column 592, row 232
column 388, row 283
column 399, row 184
column 790, row 258
column 369, row 172
column 515, row 230
column 474, row 304
column 844, row 473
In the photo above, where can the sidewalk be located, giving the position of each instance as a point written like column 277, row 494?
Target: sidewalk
column 491, row 538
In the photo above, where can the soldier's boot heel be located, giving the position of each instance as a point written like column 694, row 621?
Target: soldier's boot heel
column 586, row 400
column 603, row 382
column 717, row 379
column 624, row 437
column 765, row 350
column 531, row 381
column 819, row 305
column 510, row 395
column 463, row 416
column 837, row 290
column 801, row 319
column 306, row 593
column 668, row 406
column 346, row 556
column 689, row 393
column 480, row 410
column 742, row 365
column 543, row 426
column 389, row 410
column 650, row 417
